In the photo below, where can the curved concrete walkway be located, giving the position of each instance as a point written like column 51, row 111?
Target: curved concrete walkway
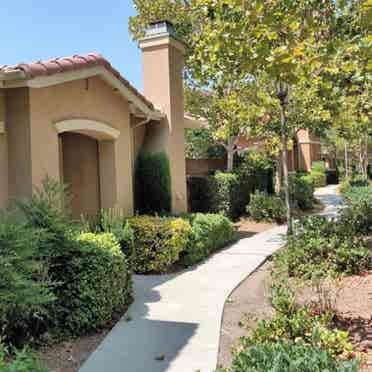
column 179, row 316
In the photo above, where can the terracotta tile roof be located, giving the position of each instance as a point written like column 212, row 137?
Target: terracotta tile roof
column 73, row 63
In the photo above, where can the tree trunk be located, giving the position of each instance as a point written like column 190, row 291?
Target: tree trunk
column 278, row 174
column 230, row 159
column 346, row 162
column 284, row 140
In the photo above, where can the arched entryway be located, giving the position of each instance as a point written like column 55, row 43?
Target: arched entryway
column 80, row 161
column 87, row 163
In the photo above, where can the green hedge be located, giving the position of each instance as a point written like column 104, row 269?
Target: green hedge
column 94, row 282
column 158, row 242
column 209, row 232
column 199, row 194
column 226, row 193
column 152, row 183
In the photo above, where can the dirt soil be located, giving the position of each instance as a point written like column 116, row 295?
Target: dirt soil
column 248, row 303
column 351, row 300
column 69, row 356
column 247, row 227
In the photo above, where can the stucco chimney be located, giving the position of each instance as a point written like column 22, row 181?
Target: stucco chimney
column 163, row 62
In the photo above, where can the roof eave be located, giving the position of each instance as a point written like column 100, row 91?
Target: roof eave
column 16, row 79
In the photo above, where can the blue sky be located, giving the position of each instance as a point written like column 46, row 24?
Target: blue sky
column 41, row 29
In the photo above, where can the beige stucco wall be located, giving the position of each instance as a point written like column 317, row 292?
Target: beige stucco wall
column 3, row 155
column 86, row 99
column 19, row 143
column 163, row 85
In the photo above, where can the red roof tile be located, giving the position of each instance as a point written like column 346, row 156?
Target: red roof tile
column 65, row 64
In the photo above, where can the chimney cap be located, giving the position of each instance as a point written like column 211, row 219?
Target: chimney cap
column 160, row 27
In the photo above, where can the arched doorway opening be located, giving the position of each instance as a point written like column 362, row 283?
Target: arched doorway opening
column 81, row 173
column 87, row 164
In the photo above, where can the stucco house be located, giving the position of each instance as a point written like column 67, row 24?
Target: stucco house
column 77, row 120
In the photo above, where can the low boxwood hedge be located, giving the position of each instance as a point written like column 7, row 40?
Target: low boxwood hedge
column 93, row 282
column 209, row 232
column 158, row 242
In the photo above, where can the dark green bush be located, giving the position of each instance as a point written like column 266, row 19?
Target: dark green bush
column 228, row 193
column 209, row 232
column 94, row 282
column 357, row 214
column 158, row 242
column 332, row 176
column 301, row 191
column 264, row 207
column 199, row 194
column 321, row 247
column 19, row 361
column 152, row 183
column 25, row 292
column 225, row 188
column 284, row 357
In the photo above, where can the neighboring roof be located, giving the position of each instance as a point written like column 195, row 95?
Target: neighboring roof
column 41, row 69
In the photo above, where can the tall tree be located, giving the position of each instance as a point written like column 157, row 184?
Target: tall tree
column 280, row 44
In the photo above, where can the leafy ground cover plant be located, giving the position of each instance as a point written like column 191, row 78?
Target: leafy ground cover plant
column 19, row 361
column 297, row 323
column 321, row 248
column 264, row 207
column 357, row 213
column 158, row 242
column 209, row 232
column 288, row 356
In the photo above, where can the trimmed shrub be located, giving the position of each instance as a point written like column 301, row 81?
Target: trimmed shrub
column 284, row 356
column 94, row 282
column 301, row 191
column 152, row 183
column 264, row 207
column 158, row 242
column 357, row 214
column 19, row 361
column 209, row 232
column 199, row 194
column 227, row 193
column 225, row 188
column 25, row 292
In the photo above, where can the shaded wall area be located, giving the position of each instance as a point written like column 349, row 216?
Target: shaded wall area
column 81, row 173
